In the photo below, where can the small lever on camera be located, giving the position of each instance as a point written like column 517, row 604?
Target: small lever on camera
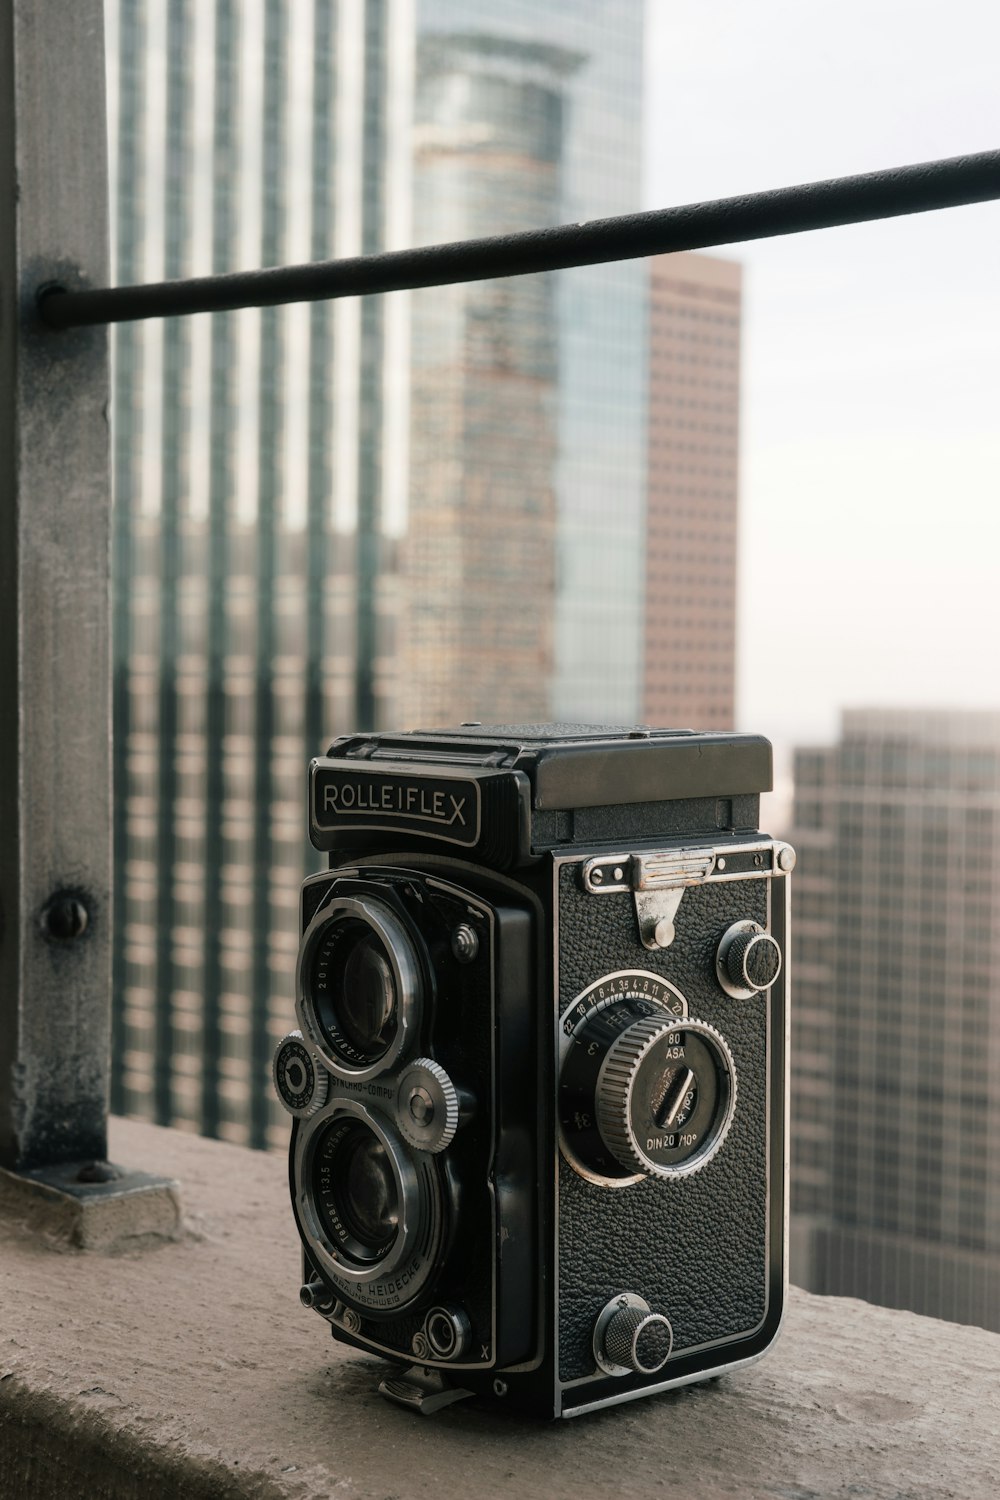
column 657, row 881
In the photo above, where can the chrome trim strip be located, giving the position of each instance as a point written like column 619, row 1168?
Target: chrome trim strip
column 683, row 866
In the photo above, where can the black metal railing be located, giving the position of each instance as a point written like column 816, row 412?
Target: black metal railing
column 949, row 183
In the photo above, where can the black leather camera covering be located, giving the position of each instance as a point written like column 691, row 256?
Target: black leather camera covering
column 696, row 1248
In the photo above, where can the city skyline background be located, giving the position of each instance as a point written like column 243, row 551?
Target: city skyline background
column 895, row 1024
column 420, row 507
column 519, row 498
column 870, row 495
column 870, row 378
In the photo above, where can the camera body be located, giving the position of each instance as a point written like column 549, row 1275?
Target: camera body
column 539, row 1086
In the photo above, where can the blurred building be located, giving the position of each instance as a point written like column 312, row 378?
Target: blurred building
column 308, row 501
column 896, row 1030
column 477, row 563
column 691, row 527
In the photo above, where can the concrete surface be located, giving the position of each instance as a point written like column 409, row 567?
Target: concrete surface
column 191, row 1370
column 54, row 1205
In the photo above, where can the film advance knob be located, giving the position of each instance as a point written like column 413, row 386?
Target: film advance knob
column 427, row 1106
column 614, row 1088
column 631, row 1339
column 749, row 960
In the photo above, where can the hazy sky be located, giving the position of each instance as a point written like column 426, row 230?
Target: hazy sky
column 870, row 545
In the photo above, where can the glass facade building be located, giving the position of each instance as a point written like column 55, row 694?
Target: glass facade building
column 896, row 1024
column 367, row 512
column 588, row 60
column 693, row 498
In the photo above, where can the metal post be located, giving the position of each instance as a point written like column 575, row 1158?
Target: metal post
column 55, row 502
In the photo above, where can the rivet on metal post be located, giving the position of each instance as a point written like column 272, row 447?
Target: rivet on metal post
column 65, row 917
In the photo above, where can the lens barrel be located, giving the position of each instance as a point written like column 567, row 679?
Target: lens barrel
column 370, row 1209
column 356, row 1192
column 359, row 985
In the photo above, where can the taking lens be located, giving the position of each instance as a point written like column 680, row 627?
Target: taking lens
column 370, row 1210
column 359, row 985
column 356, row 1191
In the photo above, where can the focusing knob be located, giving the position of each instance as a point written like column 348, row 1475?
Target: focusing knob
column 614, row 1089
column 630, row 1339
column 299, row 1082
column 748, row 961
column 665, row 1096
column 427, row 1106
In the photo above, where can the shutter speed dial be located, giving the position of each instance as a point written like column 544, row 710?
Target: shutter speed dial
column 644, row 1095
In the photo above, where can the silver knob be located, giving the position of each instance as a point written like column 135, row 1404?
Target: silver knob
column 300, row 1081
column 427, row 1106
column 748, row 960
column 630, row 1339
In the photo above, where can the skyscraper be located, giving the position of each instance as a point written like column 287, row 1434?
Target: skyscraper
column 896, row 1036
column 477, row 564
column 309, row 502
column 691, row 525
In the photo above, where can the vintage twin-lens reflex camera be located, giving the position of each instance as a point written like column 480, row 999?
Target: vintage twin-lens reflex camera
column 539, row 1151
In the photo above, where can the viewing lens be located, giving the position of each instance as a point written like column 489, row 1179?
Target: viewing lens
column 356, row 1191
column 362, row 984
column 367, row 996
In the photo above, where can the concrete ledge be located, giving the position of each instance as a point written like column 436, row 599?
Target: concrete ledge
column 191, row 1370
column 71, row 1209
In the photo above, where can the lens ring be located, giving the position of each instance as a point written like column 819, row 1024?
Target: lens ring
column 355, row 1192
column 343, row 1149
column 359, row 986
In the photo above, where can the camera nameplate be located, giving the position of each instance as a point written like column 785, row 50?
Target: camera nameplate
column 346, row 795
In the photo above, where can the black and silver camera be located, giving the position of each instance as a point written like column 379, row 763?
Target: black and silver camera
column 539, row 1151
